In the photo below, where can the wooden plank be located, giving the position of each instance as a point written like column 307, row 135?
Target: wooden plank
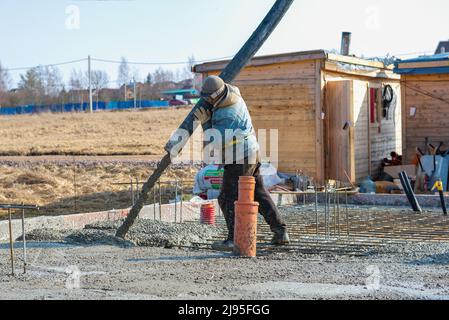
column 336, row 70
column 280, row 81
column 264, row 60
column 362, row 146
column 428, row 64
column 285, row 103
column 356, row 61
column 340, row 146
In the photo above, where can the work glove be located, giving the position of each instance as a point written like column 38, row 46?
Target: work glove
column 203, row 115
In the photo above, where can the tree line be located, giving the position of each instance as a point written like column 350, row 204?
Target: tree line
column 44, row 85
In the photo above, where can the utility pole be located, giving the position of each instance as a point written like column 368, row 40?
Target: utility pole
column 135, row 93
column 89, row 71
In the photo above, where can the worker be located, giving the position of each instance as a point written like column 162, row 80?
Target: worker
column 240, row 156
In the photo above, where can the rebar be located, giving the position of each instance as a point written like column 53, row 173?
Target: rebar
column 137, row 189
column 176, row 199
column 11, row 242
column 362, row 236
column 132, row 191
column 182, row 196
column 24, row 242
column 316, row 210
column 154, row 204
column 347, row 214
column 160, row 201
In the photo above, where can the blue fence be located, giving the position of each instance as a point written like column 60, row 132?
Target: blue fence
column 81, row 107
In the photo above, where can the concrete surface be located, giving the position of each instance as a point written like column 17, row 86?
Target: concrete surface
column 107, row 272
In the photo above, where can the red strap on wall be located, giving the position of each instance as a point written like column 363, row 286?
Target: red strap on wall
column 372, row 103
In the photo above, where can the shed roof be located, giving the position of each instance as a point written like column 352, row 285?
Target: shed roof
column 180, row 91
column 434, row 64
column 292, row 57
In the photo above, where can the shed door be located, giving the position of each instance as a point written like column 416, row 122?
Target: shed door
column 339, row 131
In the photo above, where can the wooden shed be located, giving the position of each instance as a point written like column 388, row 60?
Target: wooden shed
column 327, row 109
column 425, row 102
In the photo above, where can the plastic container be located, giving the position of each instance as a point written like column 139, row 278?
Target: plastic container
column 368, row 186
column 208, row 214
column 437, row 168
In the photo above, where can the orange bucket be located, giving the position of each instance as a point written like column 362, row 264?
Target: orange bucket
column 208, row 214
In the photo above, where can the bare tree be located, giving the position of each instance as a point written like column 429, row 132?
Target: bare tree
column 5, row 79
column 161, row 75
column 77, row 83
column 124, row 72
column 188, row 74
column 77, row 80
column 52, row 80
column 99, row 80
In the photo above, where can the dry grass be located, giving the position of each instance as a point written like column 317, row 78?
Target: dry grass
column 102, row 133
column 52, row 186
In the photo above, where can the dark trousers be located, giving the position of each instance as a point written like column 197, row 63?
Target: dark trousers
column 229, row 195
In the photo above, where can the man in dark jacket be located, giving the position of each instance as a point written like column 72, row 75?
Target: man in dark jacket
column 240, row 154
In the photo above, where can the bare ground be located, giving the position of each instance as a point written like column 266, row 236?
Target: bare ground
column 107, row 272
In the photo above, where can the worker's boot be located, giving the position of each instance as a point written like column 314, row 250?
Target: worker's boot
column 225, row 246
column 281, row 237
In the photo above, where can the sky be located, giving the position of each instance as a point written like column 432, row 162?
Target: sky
column 34, row 32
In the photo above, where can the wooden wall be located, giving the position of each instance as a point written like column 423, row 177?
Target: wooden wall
column 289, row 97
column 361, row 132
column 390, row 137
column 432, row 115
column 283, row 97
column 370, row 145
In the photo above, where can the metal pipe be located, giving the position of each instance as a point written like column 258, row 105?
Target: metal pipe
column 326, row 218
column 132, row 191
column 316, row 209
column 345, row 43
column 182, row 196
column 334, row 213
column 18, row 206
column 11, row 242
column 160, row 202
column 338, row 209
column 176, row 200
column 347, row 215
column 24, row 243
column 154, row 204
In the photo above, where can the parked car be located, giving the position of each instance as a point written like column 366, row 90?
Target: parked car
column 175, row 102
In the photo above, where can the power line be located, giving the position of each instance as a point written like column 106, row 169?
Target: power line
column 115, row 62
column 47, row 65
column 413, row 53
column 159, row 63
